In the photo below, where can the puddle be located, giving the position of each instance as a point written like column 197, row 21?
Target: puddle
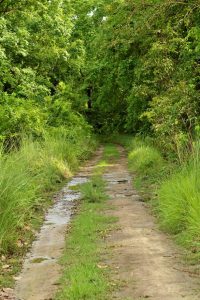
column 72, row 197
column 118, row 196
column 77, row 180
column 41, row 269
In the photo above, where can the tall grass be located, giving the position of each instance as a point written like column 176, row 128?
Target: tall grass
column 145, row 160
column 28, row 174
column 179, row 202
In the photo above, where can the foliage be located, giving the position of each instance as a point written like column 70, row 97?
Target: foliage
column 43, row 132
column 40, row 61
column 128, row 66
column 143, row 66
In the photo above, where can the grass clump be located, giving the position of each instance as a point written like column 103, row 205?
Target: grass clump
column 146, row 161
column 85, row 276
column 93, row 191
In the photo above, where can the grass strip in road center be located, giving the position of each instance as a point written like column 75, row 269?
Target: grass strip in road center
column 85, row 276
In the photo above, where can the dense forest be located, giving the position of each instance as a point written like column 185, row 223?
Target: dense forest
column 70, row 70
column 128, row 66
column 144, row 69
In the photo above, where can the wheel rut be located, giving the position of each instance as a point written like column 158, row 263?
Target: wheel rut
column 41, row 271
column 147, row 264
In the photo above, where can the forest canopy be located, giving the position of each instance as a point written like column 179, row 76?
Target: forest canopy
column 124, row 65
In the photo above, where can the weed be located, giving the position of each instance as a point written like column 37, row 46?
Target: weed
column 110, row 153
column 93, row 191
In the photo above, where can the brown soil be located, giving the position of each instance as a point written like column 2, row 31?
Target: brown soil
column 146, row 262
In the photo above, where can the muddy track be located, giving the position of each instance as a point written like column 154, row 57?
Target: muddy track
column 41, row 269
column 145, row 262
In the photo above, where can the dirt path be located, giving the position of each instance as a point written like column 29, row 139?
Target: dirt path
column 144, row 259
column 41, row 270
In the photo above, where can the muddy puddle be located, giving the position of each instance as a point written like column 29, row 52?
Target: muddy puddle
column 39, row 277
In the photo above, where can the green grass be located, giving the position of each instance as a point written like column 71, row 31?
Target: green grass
column 93, row 190
column 145, row 160
column 28, row 179
column 178, row 207
column 85, row 275
column 110, row 153
column 179, row 204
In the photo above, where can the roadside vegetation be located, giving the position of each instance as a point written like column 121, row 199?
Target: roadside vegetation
column 179, row 204
column 85, row 276
column 28, row 178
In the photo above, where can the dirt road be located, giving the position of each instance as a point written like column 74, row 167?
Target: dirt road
column 144, row 262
